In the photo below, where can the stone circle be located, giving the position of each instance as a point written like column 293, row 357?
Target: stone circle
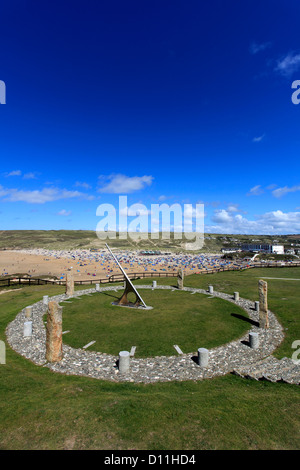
column 235, row 357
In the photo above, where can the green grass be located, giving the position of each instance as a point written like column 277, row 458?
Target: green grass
column 191, row 321
column 40, row 409
column 283, row 295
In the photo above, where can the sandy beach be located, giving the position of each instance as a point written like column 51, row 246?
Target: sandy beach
column 86, row 264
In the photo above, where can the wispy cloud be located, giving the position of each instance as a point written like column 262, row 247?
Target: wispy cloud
column 84, row 185
column 122, row 184
column 279, row 192
column 30, row 176
column 258, row 139
column 289, row 64
column 255, row 191
column 64, row 213
column 254, row 47
column 13, row 173
column 42, row 196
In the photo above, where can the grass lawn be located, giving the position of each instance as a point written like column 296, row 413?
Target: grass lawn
column 283, row 294
column 40, row 409
column 191, row 321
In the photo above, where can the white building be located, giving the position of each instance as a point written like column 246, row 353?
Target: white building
column 278, row 249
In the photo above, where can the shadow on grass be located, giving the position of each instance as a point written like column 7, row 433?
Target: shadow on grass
column 111, row 295
column 248, row 320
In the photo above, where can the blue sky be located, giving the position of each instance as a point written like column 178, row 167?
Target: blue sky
column 174, row 102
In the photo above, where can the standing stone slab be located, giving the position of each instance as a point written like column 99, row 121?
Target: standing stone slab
column 54, row 332
column 180, row 277
column 263, row 304
column 70, row 284
column 211, row 289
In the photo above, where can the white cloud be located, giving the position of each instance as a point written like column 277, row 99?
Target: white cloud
column 222, row 217
column 40, row 196
column 232, row 208
column 255, row 191
column 121, row 184
column 255, row 48
column 279, row 192
column 288, row 64
column 274, row 222
column 64, row 213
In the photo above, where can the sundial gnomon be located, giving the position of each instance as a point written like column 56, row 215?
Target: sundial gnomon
column 129, row 287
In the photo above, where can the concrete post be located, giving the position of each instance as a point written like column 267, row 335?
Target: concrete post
column 202, row 357
column 236, row 296
column 256, row 306
column 124, row 361
column 97, row 287
column 253, row 340
column 154, row 283
column 27, row 328
column 45, row 299
column 210, row 289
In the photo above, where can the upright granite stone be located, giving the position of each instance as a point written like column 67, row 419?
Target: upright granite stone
column 70, row 284
column 54, row 332
column 263, row 304
column 180, row 277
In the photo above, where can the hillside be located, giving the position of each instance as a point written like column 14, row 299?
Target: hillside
column 87, row 239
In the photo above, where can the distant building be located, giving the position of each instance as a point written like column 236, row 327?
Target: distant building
column 278, row 249
column 230, row 250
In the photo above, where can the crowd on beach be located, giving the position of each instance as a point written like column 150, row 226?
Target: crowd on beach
column 90, row 263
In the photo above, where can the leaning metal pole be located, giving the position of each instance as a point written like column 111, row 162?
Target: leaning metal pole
column 126, row 277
